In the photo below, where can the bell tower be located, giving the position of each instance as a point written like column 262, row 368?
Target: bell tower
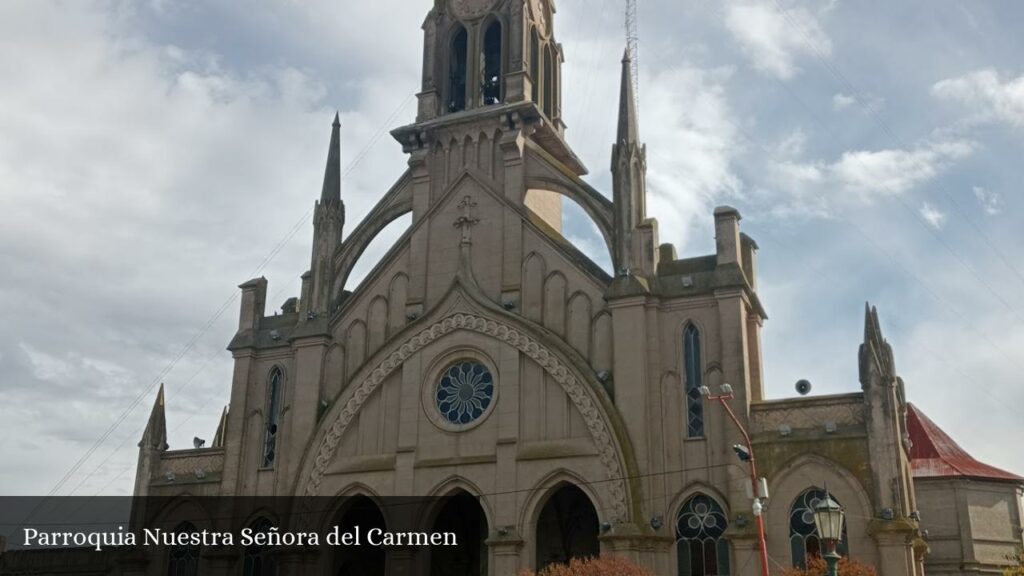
column 480, row 53
column 491, row 88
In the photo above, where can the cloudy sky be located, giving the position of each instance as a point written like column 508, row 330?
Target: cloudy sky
column 154, row 155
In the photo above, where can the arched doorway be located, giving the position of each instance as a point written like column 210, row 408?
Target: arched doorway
column 462, row 515
column 362, row 513
column 566, row 528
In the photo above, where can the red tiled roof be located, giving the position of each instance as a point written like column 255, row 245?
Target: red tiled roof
column 933, row 454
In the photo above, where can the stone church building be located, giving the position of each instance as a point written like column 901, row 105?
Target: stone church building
column 486, row 358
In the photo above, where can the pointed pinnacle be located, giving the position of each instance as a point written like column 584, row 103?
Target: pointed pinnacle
column 331, row 192
column 628, row 130
column 155, row 434
column 877, row 325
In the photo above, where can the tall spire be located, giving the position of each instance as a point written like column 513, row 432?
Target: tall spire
column 628, row 127
column 636, row 238
column 331, row 193
column 328, row 222
column 155, row 435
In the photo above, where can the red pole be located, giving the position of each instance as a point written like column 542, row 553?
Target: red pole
column 758, row 518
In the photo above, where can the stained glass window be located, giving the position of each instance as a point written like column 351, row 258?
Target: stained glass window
column 464, row 392
column 183, row 560
column 694, row 380
column 258, row 560
column 702, row 551
column 803, row 534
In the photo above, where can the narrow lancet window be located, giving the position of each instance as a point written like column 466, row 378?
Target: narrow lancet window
column 458, row 71
column 535, row 64
column 549, row 84
column 491, row 69
column 694, row 380
column 273, row 417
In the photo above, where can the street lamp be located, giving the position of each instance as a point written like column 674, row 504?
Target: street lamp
column 746, row 454
column 828, row 519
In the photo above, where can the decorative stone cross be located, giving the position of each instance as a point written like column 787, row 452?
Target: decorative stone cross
column 466, row 221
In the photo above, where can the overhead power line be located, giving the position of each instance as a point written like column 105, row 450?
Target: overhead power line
column 147, row 391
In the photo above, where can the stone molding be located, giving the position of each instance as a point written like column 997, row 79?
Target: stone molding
column 807, row 413
column 539, row 353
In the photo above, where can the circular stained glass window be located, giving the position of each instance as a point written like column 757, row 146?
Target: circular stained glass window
column 464, row 392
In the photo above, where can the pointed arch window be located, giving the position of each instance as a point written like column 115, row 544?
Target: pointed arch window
column 803, row 534
column 694, row 380
column 274, row 389
column 490, row 79
column 258, row 560
column 535, row 64
column 700, row 547
column 549, row 84
column 458, row 70
column 183, row 560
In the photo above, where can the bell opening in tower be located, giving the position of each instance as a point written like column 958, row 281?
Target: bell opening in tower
column 457, row 83
column 491, row 69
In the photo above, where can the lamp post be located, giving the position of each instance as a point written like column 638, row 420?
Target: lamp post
column 828, row 519
column 745, row 454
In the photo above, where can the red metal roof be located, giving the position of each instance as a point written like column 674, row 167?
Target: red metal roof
column 933, row 454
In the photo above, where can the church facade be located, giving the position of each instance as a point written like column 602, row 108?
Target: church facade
column 486, row 358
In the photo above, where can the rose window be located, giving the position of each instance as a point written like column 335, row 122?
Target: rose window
column 464, row 392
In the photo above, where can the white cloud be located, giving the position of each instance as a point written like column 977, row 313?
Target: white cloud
column 842, row 101
column 774, row 37
column 933, row 216
column 990, row 200
column 988, row 96
column 141, row 184
column 818, row 187
column 890, row 172
column 690, row 149
column 867, row 103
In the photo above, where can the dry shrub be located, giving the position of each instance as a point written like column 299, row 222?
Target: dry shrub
column 816, row 567
column 600, row 566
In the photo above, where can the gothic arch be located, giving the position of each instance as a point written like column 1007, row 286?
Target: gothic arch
column 355, row 346
column 503, row 51
column 813, row 471
column 395, row 204
column 577, row 322
column 601, row 345
column 532, row 291
column 452, row 485
column 556, row 285
column 538, row 530
column 691, row 490
column 544, row 488
column 342, row 503
column 456, row 47
column 581, row 391
column 596, row 207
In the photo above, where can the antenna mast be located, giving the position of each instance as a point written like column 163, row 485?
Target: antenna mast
column 632, row 44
